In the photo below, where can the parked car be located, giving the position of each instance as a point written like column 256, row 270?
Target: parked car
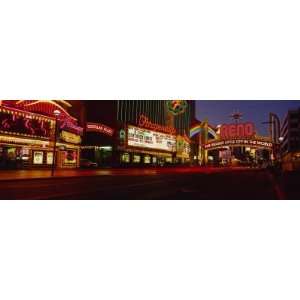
column 85, row 163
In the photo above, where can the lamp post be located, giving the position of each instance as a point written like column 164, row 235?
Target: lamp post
column 56, row 114
column 281, row 139
column 274, row 128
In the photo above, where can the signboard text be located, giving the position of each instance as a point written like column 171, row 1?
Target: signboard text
column 146, row 123
column 100, row 128
column 243, row 130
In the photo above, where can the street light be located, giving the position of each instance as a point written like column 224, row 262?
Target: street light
column 56, row 114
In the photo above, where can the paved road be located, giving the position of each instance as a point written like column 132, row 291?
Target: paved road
column 33, row 174
column 181, row 183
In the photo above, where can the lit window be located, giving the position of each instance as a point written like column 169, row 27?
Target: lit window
column 38, row 157
column 136, row 158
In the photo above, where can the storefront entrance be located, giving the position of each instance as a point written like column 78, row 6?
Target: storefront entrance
column 102, row 155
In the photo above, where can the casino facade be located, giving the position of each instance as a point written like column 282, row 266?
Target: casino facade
column 138, row 132
column 122, row 133
column 27, row 133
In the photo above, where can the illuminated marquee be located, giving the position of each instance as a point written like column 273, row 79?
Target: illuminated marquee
column 243, row 130
column 47, row 107
column 41, row 106
column 255, row 143
column 70, row 137
column 16, row 122
column 183, row 147
column 146, row 123
column 143, row 138
column 100, row 128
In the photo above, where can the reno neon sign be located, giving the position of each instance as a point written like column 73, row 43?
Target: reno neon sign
column 255, row 143
column 239, row 130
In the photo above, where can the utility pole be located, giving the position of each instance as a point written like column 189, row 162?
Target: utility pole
column 56, row 113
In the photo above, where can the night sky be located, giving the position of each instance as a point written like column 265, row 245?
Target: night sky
column 256, row 111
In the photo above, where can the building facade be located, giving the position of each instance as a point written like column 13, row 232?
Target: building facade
column 138, row 132
column 158, row 111
column 290, row 144
column 27, row 134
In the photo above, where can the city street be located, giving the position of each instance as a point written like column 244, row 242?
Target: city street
column 163, row 183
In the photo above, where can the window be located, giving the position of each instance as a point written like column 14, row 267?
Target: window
column 49, row 158
column 136, row 158
column 125, row 157
column 169, row 159
column 70, row 157
column 38, row 157
column 147, row 159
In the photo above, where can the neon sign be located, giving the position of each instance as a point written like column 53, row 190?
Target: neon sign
column 67, row 124
column 15, row 122
column 146, row 123
column 241, row 130
column 47, row 107
column 43, row 106
column 177, row 107
column 100, row 128
column 255, row 143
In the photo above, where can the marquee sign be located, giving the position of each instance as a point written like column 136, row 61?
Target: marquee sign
column 143, row 138
column 99, row 128
column 27, row 124
column 255, row 143
column 70, row 137
column 146, row 123
column 240, row 130
column 46, row 107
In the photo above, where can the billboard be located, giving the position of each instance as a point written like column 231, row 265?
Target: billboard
column 143, row 138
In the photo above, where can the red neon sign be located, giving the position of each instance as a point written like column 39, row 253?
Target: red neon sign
column 16, row 122
column 243, row 130
column 146, row 123
column 100, row 128
column 239, row 142
column 68, row 125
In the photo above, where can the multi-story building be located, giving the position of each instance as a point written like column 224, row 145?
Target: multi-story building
column 133, row 132
column 27, row 134
column 290, row 144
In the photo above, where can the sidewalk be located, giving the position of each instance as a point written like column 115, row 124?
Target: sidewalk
column 9, row 175
column 46, row 174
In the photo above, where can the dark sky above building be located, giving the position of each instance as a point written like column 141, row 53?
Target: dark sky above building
column 256, row 111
